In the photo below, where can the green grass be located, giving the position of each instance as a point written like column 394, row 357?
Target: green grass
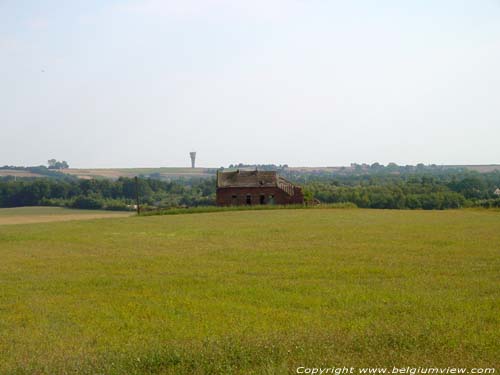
column 207, row 209
column 251, row 292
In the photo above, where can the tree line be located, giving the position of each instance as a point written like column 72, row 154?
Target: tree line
column 105, row 194
column 411, row 191
column 443, row 189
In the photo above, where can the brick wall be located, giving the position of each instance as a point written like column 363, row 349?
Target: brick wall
column 238, row 196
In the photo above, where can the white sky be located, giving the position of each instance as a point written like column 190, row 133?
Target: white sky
column 302, row 82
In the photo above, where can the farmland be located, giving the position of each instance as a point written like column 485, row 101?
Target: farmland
column 25, row 215
column 172, row 173
column 251, row 292
column 16, row 173
column 162, row 173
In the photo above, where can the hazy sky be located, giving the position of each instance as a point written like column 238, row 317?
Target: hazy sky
column 302, row 82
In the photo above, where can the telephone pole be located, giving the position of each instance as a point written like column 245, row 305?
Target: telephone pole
column 137, row 195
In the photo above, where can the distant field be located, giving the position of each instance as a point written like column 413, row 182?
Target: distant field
column 202, row 172
column 251, row 292
column 13, row 172
column 24, row 215
column 172, row 172
column 478, row 168
column 132, row 172
column 482, row 168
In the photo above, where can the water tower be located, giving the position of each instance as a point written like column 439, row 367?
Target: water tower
column 193, row 159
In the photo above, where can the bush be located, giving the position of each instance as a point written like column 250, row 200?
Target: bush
column 54, row 202
column 87, row 202
column 116, row 205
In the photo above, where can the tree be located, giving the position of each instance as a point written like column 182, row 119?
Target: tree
column 54, row 164
column 91, row 202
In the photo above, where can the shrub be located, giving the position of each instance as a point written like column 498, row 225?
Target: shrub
column 87, row 202
column 116, row 205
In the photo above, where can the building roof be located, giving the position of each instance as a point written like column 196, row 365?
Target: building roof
column 247, row 179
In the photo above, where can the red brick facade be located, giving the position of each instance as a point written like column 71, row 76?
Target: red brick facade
column 238, row 196
column 243, row 188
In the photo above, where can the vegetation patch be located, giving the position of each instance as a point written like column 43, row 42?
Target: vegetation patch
column 207, row 209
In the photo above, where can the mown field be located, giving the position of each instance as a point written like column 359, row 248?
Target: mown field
column 251, row 292
column 24, row 215
column 16, row 173
column 161, row 173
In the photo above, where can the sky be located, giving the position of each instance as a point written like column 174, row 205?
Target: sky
column 141, row 83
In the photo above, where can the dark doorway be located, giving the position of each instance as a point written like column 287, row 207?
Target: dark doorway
column 249, row 199
column 271, row 199
column 262, row 199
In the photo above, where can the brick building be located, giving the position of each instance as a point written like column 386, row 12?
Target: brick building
column 256, row 187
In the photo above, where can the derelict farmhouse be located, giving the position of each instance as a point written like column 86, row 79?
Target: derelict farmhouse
column 240, row 187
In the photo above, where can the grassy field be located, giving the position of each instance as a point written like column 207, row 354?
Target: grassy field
column 25, row 215
column 251, row 292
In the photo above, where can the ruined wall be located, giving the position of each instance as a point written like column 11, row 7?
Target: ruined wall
column 258, row 195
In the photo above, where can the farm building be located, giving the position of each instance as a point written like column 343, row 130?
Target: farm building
column 256, row 187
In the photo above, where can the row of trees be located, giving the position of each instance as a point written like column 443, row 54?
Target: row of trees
column 411, row 191
column 106, row 194
column 439, row 191
column 55, row 164
column 390, row 196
